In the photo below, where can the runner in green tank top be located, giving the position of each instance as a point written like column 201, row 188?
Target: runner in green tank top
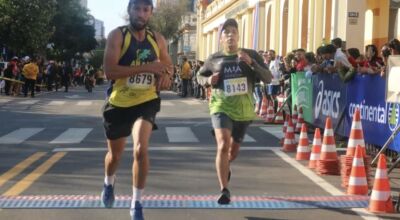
column 232, row 74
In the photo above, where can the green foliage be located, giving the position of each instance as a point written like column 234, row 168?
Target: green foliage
column 25, row 24
column 167, row 17
column 96, row 59
column 28, row 26
column 74, row 32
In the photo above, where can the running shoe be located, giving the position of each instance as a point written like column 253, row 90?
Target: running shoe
column 225, row 197
column 107, row 196
column 137, row 212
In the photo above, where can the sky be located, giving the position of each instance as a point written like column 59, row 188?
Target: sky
column 111, row 12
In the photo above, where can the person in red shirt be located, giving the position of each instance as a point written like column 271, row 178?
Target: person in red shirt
column 300, row 59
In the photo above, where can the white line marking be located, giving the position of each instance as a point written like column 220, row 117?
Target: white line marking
column 181, row 134
column 56, row 103
column 167, row 103
column 19, row 136
column 72, row 136
column 248, row 139
column 28, row 102
column 322, row 183
column 102, row 149
column 4, row 100
column 274, row 131
column 191, row 102
column 84, row 103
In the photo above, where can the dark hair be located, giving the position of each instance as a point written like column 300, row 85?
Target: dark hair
column 337, row 42
column 310, row 57
column 374, row 50
column 146, row 2
column 329, row 49
column 272, row 51
column 229, row 23
column 300, row 50
column 319, row 50
column 354, row 52
column 394, row 44
column 385, row 50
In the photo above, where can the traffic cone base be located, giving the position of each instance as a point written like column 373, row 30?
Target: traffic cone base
column 381, row 200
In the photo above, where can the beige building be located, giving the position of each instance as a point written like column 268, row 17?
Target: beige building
column 284, row 25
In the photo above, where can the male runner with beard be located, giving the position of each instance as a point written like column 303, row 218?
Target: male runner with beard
column 137, row 63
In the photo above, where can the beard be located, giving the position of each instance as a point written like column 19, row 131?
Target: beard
column 136, row 25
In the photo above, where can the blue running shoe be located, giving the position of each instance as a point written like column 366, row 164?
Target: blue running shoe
column 107, row 196
column 137, row 212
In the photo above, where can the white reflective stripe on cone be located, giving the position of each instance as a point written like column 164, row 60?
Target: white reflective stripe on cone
column 355, row 142
column 380, row 195
column 317, row 142
column 328, row 132
column 357, row 181
column 328, row 148
column 356, row 125
column 358, row 162
column 303, row 149
column 314, row 156
column 381, row 174
column 288, row 141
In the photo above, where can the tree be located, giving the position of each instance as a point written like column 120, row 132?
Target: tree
column 74, row 32
column 167, row 17
column 25, row 24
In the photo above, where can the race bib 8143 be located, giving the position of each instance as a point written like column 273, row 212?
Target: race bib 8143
column 141, row 81
column 235, row 86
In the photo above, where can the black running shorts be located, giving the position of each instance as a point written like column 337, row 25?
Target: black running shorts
column 118, row 121
column 238, row 128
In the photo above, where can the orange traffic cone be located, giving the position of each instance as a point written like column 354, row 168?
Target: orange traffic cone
column 358, row 179
column 356, row 138
column 300, row 120
column 294, row 115
column 284, row 129
column 279, row 115
column 328, row 163
column 264, row 106
column 316, row 149
column 289, row 144
column 303, row 149
column 270, row 112
column 356, row 135
column 381, row 199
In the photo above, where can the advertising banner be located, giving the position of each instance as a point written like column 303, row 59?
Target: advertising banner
column 329, row 99
column 379, row 119
column 302, row 91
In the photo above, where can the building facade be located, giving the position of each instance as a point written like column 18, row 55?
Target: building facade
column 284, row 25
column 184, row 44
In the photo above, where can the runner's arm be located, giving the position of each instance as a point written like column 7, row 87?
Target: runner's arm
column 205, row 73
column 112, row 55
column 164, row 56
column 259, row 68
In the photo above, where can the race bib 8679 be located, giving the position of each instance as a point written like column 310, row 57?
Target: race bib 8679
column 235, row 86
column 141, row 81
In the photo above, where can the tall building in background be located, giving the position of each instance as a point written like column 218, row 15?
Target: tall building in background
column 84, row 3
column 99, row 28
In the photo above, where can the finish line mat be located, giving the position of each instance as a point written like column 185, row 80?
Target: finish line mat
column 184, row 202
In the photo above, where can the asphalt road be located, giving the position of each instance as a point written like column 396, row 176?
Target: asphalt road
column 54, row 145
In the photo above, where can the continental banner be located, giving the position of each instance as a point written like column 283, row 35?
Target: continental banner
column 379, row 118
column 302, row 91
